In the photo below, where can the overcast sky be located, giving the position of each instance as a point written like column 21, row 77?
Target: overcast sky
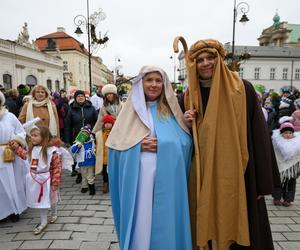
column 142, row 32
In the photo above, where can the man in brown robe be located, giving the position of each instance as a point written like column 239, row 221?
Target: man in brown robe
column 232, row 166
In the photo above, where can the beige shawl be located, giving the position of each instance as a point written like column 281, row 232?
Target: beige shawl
column 52, row 123
column 129, row 129
column 217, row 189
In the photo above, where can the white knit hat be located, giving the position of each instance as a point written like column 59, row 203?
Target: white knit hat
column 109, row 88
column 2, row 99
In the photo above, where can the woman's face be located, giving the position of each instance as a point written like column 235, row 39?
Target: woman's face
column 35, row 137
column 110, row 97
column 80, row 99
column 40, row 94
column 153, row 85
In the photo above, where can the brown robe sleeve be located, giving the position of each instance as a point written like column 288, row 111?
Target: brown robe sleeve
column 261, row 153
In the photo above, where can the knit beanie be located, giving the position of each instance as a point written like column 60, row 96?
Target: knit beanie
column 108, row 119
column 286, row 126
column 23, row 89
column 78, row 92
column 109, row 88
column 285, row 103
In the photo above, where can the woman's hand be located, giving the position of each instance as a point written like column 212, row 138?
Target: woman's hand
column 189, row 116
column 149, row 144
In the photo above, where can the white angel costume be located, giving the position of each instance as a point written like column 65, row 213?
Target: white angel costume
column 287, row 155
column 12, row 174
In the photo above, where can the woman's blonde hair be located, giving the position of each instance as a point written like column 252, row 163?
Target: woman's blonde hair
column 39, row 86
column 162, row 105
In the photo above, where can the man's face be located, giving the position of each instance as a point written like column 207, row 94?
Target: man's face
column 205, row 65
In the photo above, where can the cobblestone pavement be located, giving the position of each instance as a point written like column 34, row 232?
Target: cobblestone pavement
column 85, row 222
column 285, row 223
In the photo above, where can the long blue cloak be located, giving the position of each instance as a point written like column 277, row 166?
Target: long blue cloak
column 170, row 213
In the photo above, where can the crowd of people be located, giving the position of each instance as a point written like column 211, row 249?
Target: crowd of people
column 185, row 170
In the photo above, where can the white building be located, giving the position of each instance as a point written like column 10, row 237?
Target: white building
column 24, row 64
column 273, row 67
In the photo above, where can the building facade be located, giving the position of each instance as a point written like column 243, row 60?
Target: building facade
column 75, row 60
column 274, row 64
column 22, row 63
column 274, row 67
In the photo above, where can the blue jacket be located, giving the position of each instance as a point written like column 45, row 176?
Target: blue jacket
column 88, row 151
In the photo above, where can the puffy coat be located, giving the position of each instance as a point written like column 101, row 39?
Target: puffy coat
column 77, row 117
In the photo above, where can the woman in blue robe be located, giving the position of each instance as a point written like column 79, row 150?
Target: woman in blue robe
column 148, row 164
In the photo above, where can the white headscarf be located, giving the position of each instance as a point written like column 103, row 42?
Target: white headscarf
column 132, row 124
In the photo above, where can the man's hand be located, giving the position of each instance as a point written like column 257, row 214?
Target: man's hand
column 189, row 116
column 149, row 144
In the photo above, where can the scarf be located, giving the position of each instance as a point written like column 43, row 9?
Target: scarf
column 52, row 120
column 132, row 124
column 217, row 188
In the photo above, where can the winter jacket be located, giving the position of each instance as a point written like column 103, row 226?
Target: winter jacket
column 41, row 112
column 77, row 117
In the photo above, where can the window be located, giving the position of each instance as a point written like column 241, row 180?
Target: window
column 65, row 66
column 49, row 85
column 284, row 73
column 297, row 74
column 31, row 80
column 57, row 85
column 256, row 73
column 272, row 73
column 7, row 84
column 241, row 72
column 79, row 65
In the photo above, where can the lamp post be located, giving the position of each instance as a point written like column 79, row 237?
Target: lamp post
column 80, row 20
column 174, row 67
column 242, row 7
column 116, row 68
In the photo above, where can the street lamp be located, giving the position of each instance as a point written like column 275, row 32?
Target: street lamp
column 80, row 20
column 243, row 8
column 117, row 68
column 174, row 67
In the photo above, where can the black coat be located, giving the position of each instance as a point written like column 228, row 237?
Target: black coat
column 77, row 117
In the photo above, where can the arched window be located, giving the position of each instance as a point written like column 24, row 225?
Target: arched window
column 57, row 85
column 49, row 85
column 31, row 80
column 7, row 84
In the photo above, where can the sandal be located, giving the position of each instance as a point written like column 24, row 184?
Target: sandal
column 52, row 219
column 39, row 228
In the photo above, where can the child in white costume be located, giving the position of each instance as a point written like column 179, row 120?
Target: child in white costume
column 12, row 173
column 287, row 150
column 42, row 182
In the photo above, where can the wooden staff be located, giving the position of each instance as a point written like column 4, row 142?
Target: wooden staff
column 194, row 124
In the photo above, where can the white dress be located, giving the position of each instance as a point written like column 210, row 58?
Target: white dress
column 38, row 181
column 12, row 175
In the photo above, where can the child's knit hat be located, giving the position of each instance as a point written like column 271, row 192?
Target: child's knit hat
column 286, row 126
column 108, row 119
column 285, row 103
